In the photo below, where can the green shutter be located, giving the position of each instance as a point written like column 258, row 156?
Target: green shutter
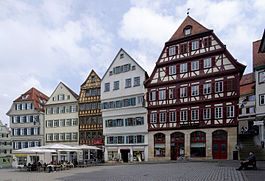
column 51, row 123
column 70, row 122
column 52, row 110
column 63, row 96
column 63, row 122
column 70, row 136
column 58, row 97
column 70, row 108
column 64, row 109
column 46, row 123
column 63, row 136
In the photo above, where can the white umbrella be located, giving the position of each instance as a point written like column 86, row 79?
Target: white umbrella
column 34, row 150
column 86, row 147
column 58, row 147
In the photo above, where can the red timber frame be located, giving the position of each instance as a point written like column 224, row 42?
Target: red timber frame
column 229, row 95
column 198, row 137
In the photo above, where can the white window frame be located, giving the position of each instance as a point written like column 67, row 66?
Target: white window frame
column 67, row 122
column 61, row 136
column 230, row 111
column 153, row 117
column 183, row 68
column 116, row 85
column 183, row 115
column 172, row 116
column 171, row 93
column 162, row 117
column 219, row 86
column 207, row 88
column 262, row 99
column 74, row 108
column 183, row 92
column 74, row 122
column 49, row 123
column 172, row 70
column 195, row 65
column 55, row 137
column 54, row 123
column 207, row 113
column 61, row 97
column 261, row 77
column 136, row 81
column 195, row 114
column 172, row 51
column 207, row 63
column 61, row 122
column 49, row 136
column 152, row 95
column 128, row 83
column 195, row 45
column 162, row 94
column 107, row 87
column 195, row 90
column 74, row 136
column 187, row 31
column 67, row 135
column 218, row 112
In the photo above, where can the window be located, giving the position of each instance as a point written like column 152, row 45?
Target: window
column 152, row 95
column 172, row 70
column 55, row 110
column 92, row 79
column 187, row 31
column 67, row 109
column 198, row 144
column 195, row 90
column 183, row 67
column 55, row 123
column 67, row 136
column 251, row 98
column 93, row 92
column 183, row 92
column 136, row 81
column 74, row 136
column 128, row 83
column 61, row 123
column 159, row 145
column 162, row 95
column 121, row 56
column 93, row 106
column 261, row 77
column 219, row 86
column 230, row 111
column 61, row 136
column 162, row 117
column 67, row 122
column 61, row 109
column 49, row 111
column 183, row 48
column 114, row 123
column 74, row 122
column 74, row 109
column 195, row 45
column 134, row 121
column 195, row 65
column 262, row 99
column 172, row 116
column 218, row 112
column 116, row 85
column 206, row 113
column 133, row 67
column 49, row 123
column 107, row 87
column 207, row 63
column 195, row 114
column 61, row 97
column 49, row 137
column 171, row 93
column 207, row 88
column 55, row 137
column 172, row 51
column 183, row 115
column 252, row 110
column 153, row 118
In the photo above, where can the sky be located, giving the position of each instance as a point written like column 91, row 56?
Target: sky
column 45, row 42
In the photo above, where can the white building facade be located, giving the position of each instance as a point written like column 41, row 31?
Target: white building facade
column 123, row 110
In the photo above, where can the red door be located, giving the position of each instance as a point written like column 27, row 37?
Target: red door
column 177, row 145
column 220, row 144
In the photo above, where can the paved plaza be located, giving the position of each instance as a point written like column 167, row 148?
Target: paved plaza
column 214, row 171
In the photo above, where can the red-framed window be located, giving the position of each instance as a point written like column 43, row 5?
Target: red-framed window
column 159, row 145
column 198, row 144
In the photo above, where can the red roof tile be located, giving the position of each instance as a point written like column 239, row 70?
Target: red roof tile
column 247, row 79
column 247, row 89
column 258, row 58
column 36, row 96
column 196, row 28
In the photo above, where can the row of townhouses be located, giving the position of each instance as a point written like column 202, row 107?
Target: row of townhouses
column 188, row 107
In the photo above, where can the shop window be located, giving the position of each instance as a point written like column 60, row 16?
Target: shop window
column 159, row 145
column 198, row 144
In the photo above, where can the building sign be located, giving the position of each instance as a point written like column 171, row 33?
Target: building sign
column 97, row 142
column 258, row 123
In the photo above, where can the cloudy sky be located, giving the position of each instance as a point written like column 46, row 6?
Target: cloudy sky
column 45, row 42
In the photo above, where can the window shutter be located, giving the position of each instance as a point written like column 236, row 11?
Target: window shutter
column 167, row 51
column 70, row 108
column 177, row 68
column 201, row 89
column 213, row 87
column 167, row 94
column 224, row 113
column 64, row 109
column 200, row 43
column 177, row 48
column 188, row 91
column 52, row 123
column 213, row 61
column 167, row 70
column 157, row 95
column 63, row 96
column 190, row 46
column 189, row 66
column 58, row 97
column 52, row 110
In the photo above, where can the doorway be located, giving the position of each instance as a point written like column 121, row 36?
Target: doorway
column 125, row 155
column 220, row 144
column 177, row 145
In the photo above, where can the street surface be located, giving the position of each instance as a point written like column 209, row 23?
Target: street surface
column 182, row 171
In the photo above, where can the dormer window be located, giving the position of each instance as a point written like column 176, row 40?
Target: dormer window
column 187, row 30
column 25, row 96
column 121, row 55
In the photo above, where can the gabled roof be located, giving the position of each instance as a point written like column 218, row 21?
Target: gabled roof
column 90, row 74
column 71, row 91
column 146, row 74
column 34, row 95
column 258, row 58
column 196, row 28
column 247, row 79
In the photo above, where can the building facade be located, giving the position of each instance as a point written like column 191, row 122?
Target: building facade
column 192, row 97
column 5, row 146
column 27, row 119
column 123, row 110
column 247, row 104
column 259, row 71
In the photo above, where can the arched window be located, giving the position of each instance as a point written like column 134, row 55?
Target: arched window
column 159, row 145
column 198, row 144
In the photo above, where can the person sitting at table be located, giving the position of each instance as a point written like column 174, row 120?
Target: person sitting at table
column 29, row 167
column 45, row 166
column 50, row 166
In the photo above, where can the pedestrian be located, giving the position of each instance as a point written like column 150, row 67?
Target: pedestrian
column 246, row 130
column 251, row 160
column 242, row 130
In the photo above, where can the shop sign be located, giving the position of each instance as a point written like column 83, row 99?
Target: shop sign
column 97, row 142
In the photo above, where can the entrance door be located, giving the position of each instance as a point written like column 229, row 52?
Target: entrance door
column 220, row 144
column 177, row 145
column 124, row 155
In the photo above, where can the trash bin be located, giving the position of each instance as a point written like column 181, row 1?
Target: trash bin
column 235, row 155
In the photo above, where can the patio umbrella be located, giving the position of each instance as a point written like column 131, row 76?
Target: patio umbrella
column 59, row 147
column 86, row 147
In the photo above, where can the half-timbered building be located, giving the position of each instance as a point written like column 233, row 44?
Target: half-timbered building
column 192, row 97
column 90, row 126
